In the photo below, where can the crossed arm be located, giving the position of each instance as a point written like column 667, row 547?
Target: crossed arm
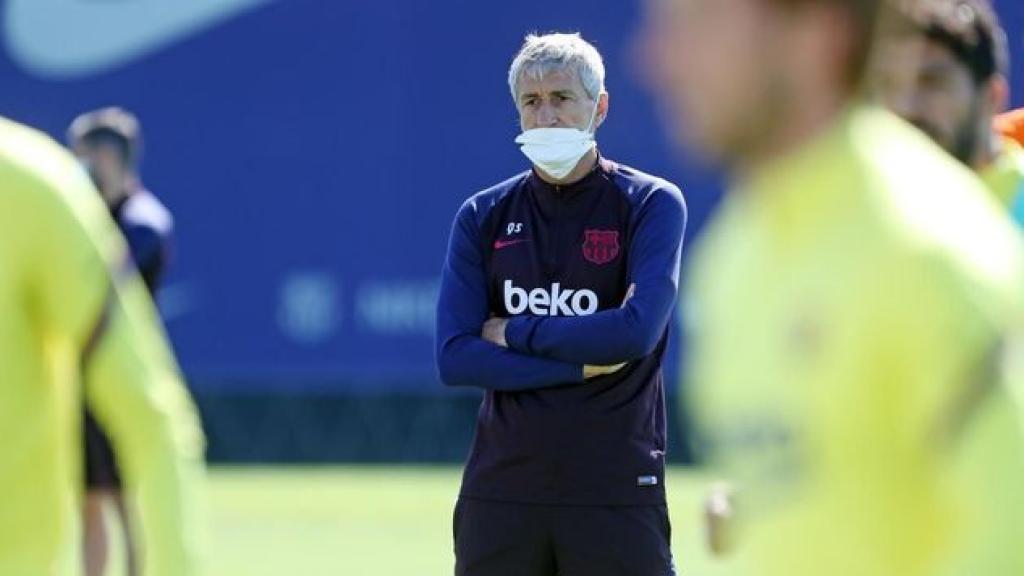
column 528, row 352
column 463, row 357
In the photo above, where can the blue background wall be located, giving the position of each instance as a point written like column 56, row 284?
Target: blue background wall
column 314, row 152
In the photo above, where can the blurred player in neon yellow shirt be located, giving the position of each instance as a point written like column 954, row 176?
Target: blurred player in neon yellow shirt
column 943, row 67
column 849, row 306
column 77, row 321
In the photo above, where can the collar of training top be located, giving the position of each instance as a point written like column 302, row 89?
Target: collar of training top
column 602, row 168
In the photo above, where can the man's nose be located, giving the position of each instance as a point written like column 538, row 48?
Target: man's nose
column 547, row 116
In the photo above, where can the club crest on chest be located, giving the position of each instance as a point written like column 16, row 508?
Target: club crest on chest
column 600, row 246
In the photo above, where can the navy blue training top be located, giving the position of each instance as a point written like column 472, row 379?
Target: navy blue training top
column 147, row 227
column 558, row 261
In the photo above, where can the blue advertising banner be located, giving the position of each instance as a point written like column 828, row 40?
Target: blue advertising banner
column 314, row 152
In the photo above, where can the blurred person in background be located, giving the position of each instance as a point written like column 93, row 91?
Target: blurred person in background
column 851, row 305
column 943, row 67
column 555, row 300
column 78, row 323
column 108, row 143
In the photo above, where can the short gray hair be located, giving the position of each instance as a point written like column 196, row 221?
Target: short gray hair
column 547, row 53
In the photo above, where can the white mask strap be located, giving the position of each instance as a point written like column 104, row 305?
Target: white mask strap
column 593, row 117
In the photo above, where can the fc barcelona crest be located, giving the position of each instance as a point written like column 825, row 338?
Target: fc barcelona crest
column 600, row 246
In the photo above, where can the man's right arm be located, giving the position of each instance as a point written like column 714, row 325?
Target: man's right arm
column 463, row 357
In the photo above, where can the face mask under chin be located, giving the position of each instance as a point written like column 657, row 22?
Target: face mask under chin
column 557, row 151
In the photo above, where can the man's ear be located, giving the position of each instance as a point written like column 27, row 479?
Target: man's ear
column 602, row 109
column 997, row 94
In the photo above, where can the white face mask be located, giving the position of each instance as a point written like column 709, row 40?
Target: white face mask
column 557, row 151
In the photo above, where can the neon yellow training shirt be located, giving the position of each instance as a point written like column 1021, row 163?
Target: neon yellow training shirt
column 65, row 309
column 848, row 306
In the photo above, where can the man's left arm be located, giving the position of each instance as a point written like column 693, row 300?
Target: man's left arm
column 632, row 331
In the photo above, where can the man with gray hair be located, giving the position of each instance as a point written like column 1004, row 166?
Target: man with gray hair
column 555, row 300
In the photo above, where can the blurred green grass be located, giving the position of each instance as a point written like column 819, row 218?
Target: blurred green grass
column 371, row 521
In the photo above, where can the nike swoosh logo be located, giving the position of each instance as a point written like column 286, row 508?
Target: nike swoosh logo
column 66, row 39
column 499, row 244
